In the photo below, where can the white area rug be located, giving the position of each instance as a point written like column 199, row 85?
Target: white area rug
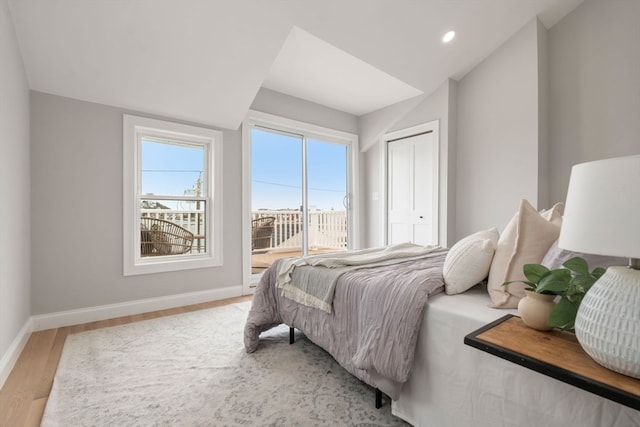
column 191, row 370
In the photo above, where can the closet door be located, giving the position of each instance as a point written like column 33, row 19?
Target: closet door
column 412, row 189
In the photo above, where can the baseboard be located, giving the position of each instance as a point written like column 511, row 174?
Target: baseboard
column 10, row 358
column 110, row 311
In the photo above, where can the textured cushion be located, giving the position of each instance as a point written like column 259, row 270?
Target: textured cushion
column 468, row 261
column 555, row 257
column 525, row 240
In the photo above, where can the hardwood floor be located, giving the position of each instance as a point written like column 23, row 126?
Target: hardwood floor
column 24, row 395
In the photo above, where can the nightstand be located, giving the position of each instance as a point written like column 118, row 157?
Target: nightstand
column 556, row 354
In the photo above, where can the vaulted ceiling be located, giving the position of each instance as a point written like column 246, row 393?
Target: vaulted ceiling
column 204, row 60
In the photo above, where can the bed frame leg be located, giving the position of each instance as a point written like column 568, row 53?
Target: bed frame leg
column 378, row 398
column 291, row 337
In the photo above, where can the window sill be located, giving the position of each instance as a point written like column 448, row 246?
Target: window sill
column 163, row 264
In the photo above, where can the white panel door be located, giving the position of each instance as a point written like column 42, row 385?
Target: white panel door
column 412, row 187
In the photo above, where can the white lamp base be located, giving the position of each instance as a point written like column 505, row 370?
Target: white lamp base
column 608, row 321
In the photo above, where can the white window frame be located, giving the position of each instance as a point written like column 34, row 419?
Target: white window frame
column 134, row 129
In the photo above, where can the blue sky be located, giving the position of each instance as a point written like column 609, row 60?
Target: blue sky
column 276, row 171
column 170, row 169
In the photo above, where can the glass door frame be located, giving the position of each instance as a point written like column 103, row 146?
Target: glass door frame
column 270, row 122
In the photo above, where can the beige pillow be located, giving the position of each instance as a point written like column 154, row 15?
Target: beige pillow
column 554, row 215
column 525, row 240
column 468, row 261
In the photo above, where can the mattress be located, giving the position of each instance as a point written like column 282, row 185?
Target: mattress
column 453, row 385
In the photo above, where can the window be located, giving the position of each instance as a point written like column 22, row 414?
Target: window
column 172, row 196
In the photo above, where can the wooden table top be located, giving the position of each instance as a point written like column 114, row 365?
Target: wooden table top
column 555, row 353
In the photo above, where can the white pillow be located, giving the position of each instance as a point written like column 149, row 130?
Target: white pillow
column 468, row 261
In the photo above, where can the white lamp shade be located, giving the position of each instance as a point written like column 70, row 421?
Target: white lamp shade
column 602, row 213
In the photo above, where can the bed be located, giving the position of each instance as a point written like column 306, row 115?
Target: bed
column 441, row 382
column 372, row 328
column 455, row 385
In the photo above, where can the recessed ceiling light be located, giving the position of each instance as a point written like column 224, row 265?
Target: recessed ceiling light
column 448, row 37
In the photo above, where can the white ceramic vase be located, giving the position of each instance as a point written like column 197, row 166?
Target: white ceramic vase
column 608, row 321
column 534, row 310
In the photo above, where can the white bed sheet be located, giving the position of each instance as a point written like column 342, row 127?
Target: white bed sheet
column 455, row 385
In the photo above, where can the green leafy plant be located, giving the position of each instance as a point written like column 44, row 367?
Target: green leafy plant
column 571, row 283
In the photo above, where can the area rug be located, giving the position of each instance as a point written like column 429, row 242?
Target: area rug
column 191, row 370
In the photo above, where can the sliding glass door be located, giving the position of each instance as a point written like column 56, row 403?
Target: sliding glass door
column 300, row 193
column 277, row 197
column 327, row 196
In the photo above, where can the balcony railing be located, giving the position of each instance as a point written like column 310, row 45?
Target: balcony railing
column 189, row 219
column 327, row 229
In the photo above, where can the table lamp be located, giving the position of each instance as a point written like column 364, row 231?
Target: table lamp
column 602, row 216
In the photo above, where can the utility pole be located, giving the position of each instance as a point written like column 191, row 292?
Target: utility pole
column 198, row 194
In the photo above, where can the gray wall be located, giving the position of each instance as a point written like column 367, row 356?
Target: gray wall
column 269, row 101
column 77, row 212
column 492, row 140
column 15, row 291
column 594, row 97
column 436, row 106
column 77, row 204
column 497, row 158
column 542, row 102
column 374, row 125
column 544, row 164
column 441, row 106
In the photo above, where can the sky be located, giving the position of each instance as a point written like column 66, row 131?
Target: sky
column 171, row 169
column 276, row 180
column 276, row 172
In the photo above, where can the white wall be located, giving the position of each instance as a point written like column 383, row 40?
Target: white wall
column 594, row 70
column 497, row 142
column 14, row 187
column 77, row 212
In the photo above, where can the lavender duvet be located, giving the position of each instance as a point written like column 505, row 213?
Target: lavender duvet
column 372, row 327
